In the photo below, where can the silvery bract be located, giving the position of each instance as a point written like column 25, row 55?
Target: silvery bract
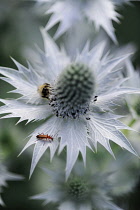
column 75, row 102
column 6, row 176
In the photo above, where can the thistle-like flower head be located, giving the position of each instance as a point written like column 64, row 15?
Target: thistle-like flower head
column 83, row 190
column 73, row 97
column 73, row 92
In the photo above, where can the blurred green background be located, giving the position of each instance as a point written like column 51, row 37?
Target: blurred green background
column 20, row 22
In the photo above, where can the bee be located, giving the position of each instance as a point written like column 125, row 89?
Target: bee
column 44, row 137
column 44, row 90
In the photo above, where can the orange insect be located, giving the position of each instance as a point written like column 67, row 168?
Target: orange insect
column 44, row 137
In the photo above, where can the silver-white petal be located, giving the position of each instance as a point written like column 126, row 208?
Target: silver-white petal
column 54, row 59
column 74, row 136
column 24, row 111
column 69, row 205
column 102, row 13
column 39, row 149
column 51, row 127
column 105, row 131
column 67, row 12
column 26, row 81
column 52, row 196
column 108, row 98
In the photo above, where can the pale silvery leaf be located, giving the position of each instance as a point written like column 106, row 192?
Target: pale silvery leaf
column 76, row 105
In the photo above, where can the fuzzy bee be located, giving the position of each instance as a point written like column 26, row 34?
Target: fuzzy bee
column 44, row 90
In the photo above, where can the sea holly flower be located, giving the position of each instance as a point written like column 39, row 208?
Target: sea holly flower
column 5, row 176
column 85, row 189
column 73, row 96
column 70, row 13
column 91, row 187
